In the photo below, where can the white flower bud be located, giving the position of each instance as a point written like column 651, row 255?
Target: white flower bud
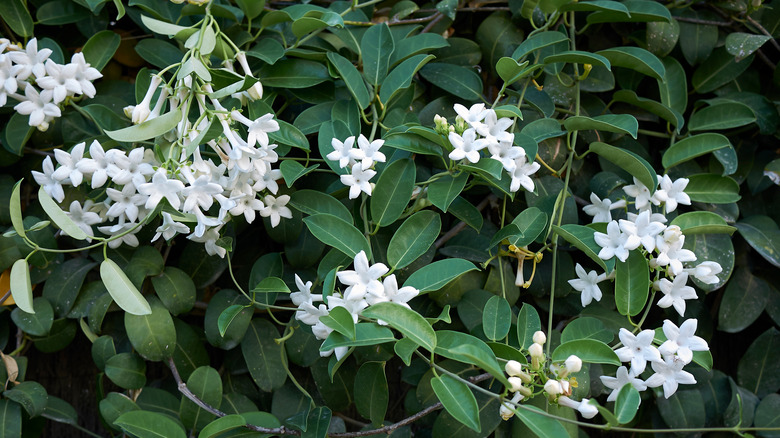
column 255, row 92
column 505, row 412
column 535, row 350
column 587, row 410
column 516, row 384
column 573, row 364
column 513, row 368
column 540, row 338
column 553, row 388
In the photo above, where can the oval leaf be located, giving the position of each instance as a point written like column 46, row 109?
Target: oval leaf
column 413, row 238
column 406, row 321
column 458, row 400
column 122, row 289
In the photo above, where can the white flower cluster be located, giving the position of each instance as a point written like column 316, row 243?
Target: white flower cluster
column 360, row 161
column 487, row 131
column 667, row 360
column 648, row 231
column 137, row 182
column 45, row 84
column 364, row 289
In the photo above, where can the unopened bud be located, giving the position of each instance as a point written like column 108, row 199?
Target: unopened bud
column 516, row 384
column 513, row 368
column 540, row 337
column 573, row 364
column 553, row 388
column 536, row 350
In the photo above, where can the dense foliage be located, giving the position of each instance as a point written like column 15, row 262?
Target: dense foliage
column 450, row 219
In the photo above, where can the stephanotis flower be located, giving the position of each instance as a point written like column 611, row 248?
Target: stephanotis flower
column 675, row 292
column 364, row 279
column 622, row 378
column 466, row 146
column 615, row 243
column 637, row 349
column 681, row 340
column 601, row 210
column 587, row 284
column 670, row 374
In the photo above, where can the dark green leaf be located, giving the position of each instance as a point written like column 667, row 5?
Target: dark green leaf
column 337, row 233
column 628, row 161
column 436, row 275
column 126, row 370
column 692, row 147
column 100, row 48
column 371, row 391
column 712, row 188
column 31, row 395
column 635, row 58
column 413, row 238
column 496, row 318
column 175, row 289
column 206, row 384
column 762, row 233
column 528, row 323
column 443, row 191
column 38, row 323
column 589, row 350
column 18, row 18
column 458, row 400
column 719, row 69
column 543, row 426
column 744, row 300
column 293, row 73
column 313, row 202
column 376, row 47
column 724, row 115
column 586, row 327
column 263, row 356
column 463, row 82
column 406, row 321
column 149, row 425
column 632, row 284
column 702, row 222
column 392, row 192
column 401, row 76
column 620, row 123
column 352, row 79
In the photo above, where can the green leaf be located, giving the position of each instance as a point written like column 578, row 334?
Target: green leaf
column 416, row 44
column 267, row 49
column 743, row 301
column 337, row 233
column 413, row 238
column 153, row 336
column 15, row 206
column 340, row 320
column 392, row 192
column 21, row 289
column 540, row 424
column 531, row 222
column 148, row 129
column 163, row 27
column 632, row 284
column 122, row 290
column 635, row 58
column 352, row 79
column 206, row 384
column 263, row 356
column 291, row 136
column 458, row 400
column 18, row 18
column 17, row 133
column 317, row 423
column 538, row 41
column 697, row 40
column 371, row 391
column 470, row 350
column 768, row 413
column 11, row 417
column 100, row 48
column 582, row 238
column 293, row 170
column 673, row 88
column 761, row 232
column 438, row 274
column 175, row 289
column 662, row 37
column 158, row 53
column 221, row 425
column 149, row 425
column 742, row 45
column 702, row 222
column 460, row 81
column 589, row 350
column 759, row 368
column 692, row 147
column 714, row 247
column 413, row 143
column 37, row 324
column 497, row 35
column 719, row 69
column 444, row 190
column 62, row 220
column 58, row 410
column 620, row 123
column 724, row 115
column 511, row 71
column 227, row 316
column 314, row 202
column 528, row 323
column 496, row 318
column 657, row 108
column 586, row 327
column 293, row 73
column 578, row 57
column 31, row 395
column 60, row 12
column 365, row 334
column 410, row 323
column 63, row 285
column 126, row 370
column 463, row 210
column 376, row 47
column 627, row 403
column 712, row 188
column 401, row 76
column 628, row 161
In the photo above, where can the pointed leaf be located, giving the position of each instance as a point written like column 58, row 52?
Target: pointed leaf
column 460, row 81
column 371, row 391
column 62, row 220
column 263, row 356
column 313, row 202
column 712, row 188
column 337, row 233
column 632, row 284
column 759, row 368
column 21, row 289
column 719, row 69
column 582, row 238
column 628, row 161
column 401, row 76
column 149, row 425
column 15, row 206
column 31, row 395
column 657, row 108
column 443, row 191
column 458, row 400
column 692, row 147
column 543, row 426
column 635, row 58
column 762, row 233
column 340, row 320
column 148, row 129
column 436, row 275
column 589, row 350
column 724, row 115
column 352, row 79
column 528, row 323
column 221, row 425
column 406, row 321
column 742, row 45
column 496, row 318
column 392, row 192
column 620, row 123
column 376, row 47
column 702, row 222
column 413, row 238
column 100, row 48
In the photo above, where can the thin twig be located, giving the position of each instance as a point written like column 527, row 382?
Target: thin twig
column 707, row 22
column 436, row 18
column 766, row 59
column 461, row 225
column 390, row 428
column 764, row 31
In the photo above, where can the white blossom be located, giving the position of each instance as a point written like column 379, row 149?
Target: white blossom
column 672, row 193
column 276, row 208
column 669, row 373
column 623, row 377
column 706, row 272
column 681, row 340
column 521, row 174
column 601, row 210
column 637, row 349
column 344, row 152
column 615, row 243
column 474, row 115
column 358, row 181
column 364, row 279
column 370, row 152
column 162, row 187
column 46, row 179
column 587, row 284
column 466, row 146
column 169, row 228
column 675, row 292
column 641, row 194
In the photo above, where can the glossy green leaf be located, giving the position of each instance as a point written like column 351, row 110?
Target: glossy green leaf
column 371, row 391
column 542, row 425
column 460, row 81
column 15, row 206
column 586, row 327
column 628, row 161
column 62, row 220
column 59, row 410
column 458, row 400
column 768, row 412
column 416, row 44
column 657, row 108
column 724, row 115
column 662, row 37
column 126, row 370
column 743, row 301
column 528, row 323
column 508, row 232
column 438, row 274
column 465, row 211
column 759, row 368
column 38, row 323
column 719, row 69
column 60, row 12
column 392, row 192
column 531, row 222
column 620, row 123
column 712, row 188
column 742, row 45
column 263, row 356
column 578, row 57
column 697, row 40
column 313, row 202
column 589, row 350
column 702, row 222
column 413, row 143
column 11, row 418
column 340, row 320
column 293, row 73
column 122, row 290
column 635, row 58
column 352, row 79
column 376, row 47
column 222, row 425
column 582, row 238
column 293, row 170
column 206, row 384
column 400, row 77
column 496, row 318
column 627, row 403
column 100, row 48
column 470, row 350
column 511, row 71
column 21, row 289
column 31, row 395
column 153, row 336
column 413, row 238
column 538, row 41
column 673, row 88
column 148, row 129
column 114, row 405
column 365, row 334
column 632, row 284
column 337, row 233
column 406, row 321
column 762, row 233
column 227, row 316
column 175, row 289
column 692, row 147
column 18, row 18
column 149, row 425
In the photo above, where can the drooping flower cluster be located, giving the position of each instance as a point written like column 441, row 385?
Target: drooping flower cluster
column 39, row 84
column 479, row 128
column 667, row 361
column 364, row 287
column 359, row 160
column 198, row 190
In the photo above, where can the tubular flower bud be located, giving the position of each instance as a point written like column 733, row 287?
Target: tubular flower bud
column 516, row 384
column 513, row 368
column 506, row 410
column 573, row 364
column 537, row 354
column 553, row 388
column 540, row 338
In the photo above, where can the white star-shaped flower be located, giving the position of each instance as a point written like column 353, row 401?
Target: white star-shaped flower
column 358, row 181
column 669, row 373
column 521, row 175
column 474, row 115
column 344, row 152
column 38, row 106
column 46, row 179
column 392, row 293
column 600, row 210
column 276, row 208
column 641, row 194
column 675, row 293
column 620, row 380
column 466, row 146
column 370, row 152
column 644, row 228
column 637, row 349
column 83, row 218
column 494, row 129
column 587, row 284
column 615, row 243
column 364, row 279
column 162, row 187
column 706, row 272
column 672, row 193
column 304, row 294
column 681, row 340
column 169, row 228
